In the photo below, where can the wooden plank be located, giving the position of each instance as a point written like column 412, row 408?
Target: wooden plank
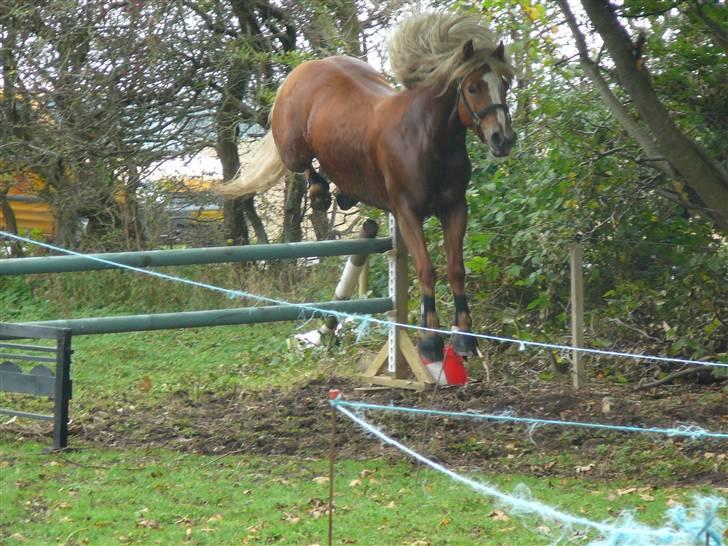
column 215, row 317
column 379, row 361
column 399, row 353
column 412, row 356
column 397, row 383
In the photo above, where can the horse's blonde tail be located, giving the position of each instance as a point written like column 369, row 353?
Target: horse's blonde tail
column 261, row 172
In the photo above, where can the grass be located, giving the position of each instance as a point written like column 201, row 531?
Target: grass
column 146, row 367
column 136, row 496
column 96, row 496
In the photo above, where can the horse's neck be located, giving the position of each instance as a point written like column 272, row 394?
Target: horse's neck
column 449, row 132
column 455, row 129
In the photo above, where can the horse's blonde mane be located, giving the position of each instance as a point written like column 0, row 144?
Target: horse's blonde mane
column 427, row 49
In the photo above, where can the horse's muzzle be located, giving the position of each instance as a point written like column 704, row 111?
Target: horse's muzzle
column 500, row 145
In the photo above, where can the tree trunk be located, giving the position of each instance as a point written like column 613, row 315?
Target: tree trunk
column 134, row 228
column 227, row 119
column 64, row 204
column 236, row 228
column 321, row 225
column 618, row 110
column 257, row 224
column 292, row 210
column 16, row 247
column 703, row 175
column 65, row 224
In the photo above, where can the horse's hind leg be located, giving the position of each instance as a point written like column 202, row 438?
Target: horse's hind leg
column 430, row 344
column 318, row 189
column 453, row 224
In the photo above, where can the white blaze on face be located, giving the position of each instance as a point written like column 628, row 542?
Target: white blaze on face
column 493, row 81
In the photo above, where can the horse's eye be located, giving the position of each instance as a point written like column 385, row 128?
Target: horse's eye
column 473, row 87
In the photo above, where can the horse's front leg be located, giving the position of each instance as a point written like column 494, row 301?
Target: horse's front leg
column 453, row 225
column 409, row 222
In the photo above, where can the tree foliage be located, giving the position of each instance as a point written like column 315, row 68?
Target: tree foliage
column 653, row 267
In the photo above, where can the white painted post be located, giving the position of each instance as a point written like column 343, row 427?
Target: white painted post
column 578, row 373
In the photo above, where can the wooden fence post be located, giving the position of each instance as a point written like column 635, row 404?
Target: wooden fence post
column 404, row 368
column 578, row 373
column 399, row 292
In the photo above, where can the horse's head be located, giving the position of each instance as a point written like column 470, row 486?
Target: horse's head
column 482, row 102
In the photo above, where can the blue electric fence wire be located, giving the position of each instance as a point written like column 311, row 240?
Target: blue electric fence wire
column 705, row 528
column 372, row 320
column 693, row 432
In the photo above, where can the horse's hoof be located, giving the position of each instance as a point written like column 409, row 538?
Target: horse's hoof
column 320, row 200
column 345, row 202
column 431, row 348
column 463, row 344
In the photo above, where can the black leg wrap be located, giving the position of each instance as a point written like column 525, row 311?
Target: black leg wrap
column 428, row 306
column 431, row 347
column 461, row 306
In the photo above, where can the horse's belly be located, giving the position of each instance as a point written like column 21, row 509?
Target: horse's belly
column 355, row 180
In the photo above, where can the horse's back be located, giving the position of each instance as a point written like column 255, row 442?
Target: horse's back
column 333, row 75
column 324, row 109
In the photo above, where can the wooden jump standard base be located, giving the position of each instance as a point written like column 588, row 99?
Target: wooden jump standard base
column 410, row 362
column 404, row 368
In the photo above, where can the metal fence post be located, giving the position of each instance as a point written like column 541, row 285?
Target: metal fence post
column 63, row 389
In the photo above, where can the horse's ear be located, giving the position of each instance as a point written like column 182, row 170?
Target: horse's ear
column 468, row 50
column 500, row 52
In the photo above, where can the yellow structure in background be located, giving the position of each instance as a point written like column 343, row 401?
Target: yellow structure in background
column 31, row 212
column 188, row 193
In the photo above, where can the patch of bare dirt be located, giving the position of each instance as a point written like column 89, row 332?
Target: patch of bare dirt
column 297, row 421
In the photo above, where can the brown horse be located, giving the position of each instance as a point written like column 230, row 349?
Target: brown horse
column 403, row 152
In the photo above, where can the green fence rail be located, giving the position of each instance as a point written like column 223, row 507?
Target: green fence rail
column 189, row 256
column 216, row 317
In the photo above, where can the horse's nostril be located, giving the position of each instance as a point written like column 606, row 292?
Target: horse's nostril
column 497, row 138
